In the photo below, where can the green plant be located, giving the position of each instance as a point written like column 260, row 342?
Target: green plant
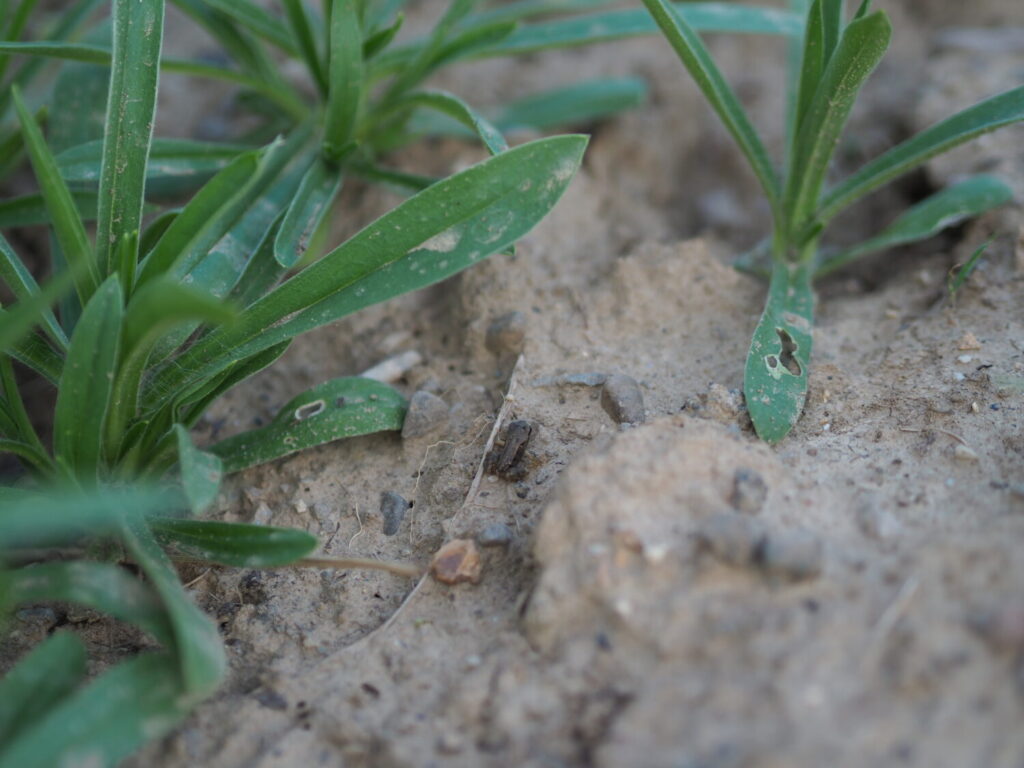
column 167, row 309
column 834, row 61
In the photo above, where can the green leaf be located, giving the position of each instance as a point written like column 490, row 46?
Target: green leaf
column 946, row 208
column 716, row 90
column 258, row 21
column 199, row 650
column 775, row 378
column 345, row 77
column 30, row 454
column 455, row 108
column 103, row 587
column 201, row 472
column 29, row 350
column 340, row 408
column 131, row 107
column 862, row 46
column 440, row 231
column 83, row 396
column 83, row 52
column 168, row 159
column 30, row 210
column 24, row 286
column 134, row 702
column 155, row 230
column 67, row 225
column 317, row 192
column 302, row 31
column 959, row 274
column 999, row 111
column 381, row 39
column 39, row 682
column 234, row 544
column 812, row 65
column 526, row 9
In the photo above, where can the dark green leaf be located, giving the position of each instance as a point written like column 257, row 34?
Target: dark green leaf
column 168, row 159
column 83, row 396
column 576, row 104
column 302, row 31
column 456, row 109
column 345, row 77
column 131, row 107
column 1002, row 110
column 30, row 210
column 337, row 409
column 258, row 21
column 862, row 46
column 24, row 286
column 946, row 208
column 234, row 544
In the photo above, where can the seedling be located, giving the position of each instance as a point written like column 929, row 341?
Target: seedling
column 960, row 273
column 835, row 60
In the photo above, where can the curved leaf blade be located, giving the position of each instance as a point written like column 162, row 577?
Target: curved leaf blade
column 346, row 407
column 201, row 472
column 456, row 109
column 234, row 544
column 312, row 201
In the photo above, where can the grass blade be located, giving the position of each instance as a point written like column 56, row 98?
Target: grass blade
column 30, row 210
column 201, row 472
column 698, row 62
column 313, row 199
column 302, row 31
column 234, row 544
column 999, row 111
column 775, row 377
column 67, row 224
column 812, row 65
column 440, row 231
column 131, row 107
column 24, row 287
column 126, row 706
column 39, row 682
column 334, row 410
column 861, row 48
column 946, row 208
column 345, row 77
column 455, row 108
column 576, row 104
column 258, row 21
column 84, row 393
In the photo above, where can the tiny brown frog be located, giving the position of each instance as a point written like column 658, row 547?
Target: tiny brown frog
column 507, row 460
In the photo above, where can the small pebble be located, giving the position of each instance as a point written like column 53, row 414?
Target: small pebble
column 965, row 359
column 731, row 537
column 262, row 515
column 495, row 535
column 427, row 413
column 622, row 400
column 963, row 453
column 392, row 509
column 793, row 554
column 749, row 491
column 506, row 335
column 456, row 562
column 968, row 342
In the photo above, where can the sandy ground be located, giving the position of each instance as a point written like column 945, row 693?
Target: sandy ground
column 671, row 593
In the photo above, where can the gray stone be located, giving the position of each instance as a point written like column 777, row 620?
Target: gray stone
column 622, row 399
column 427, row 413
column 495, row 535
column 793, row 555
column 392, row 509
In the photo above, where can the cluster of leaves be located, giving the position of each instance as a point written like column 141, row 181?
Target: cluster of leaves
column 143, row 325
column 832, row 59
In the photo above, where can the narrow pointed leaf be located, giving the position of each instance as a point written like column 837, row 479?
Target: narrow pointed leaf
column 83, row 396
column 302, row 32
column 946, row 208
column 337, row 409
column 313, row 199
column 258, row 21
column 999, row 111
column 67, row 224
column 134, row 702
column 234, row 544
column 201, row 472
column 440, row 231
column 168, row 159
column 456, row 109
column 812, row 64
column 576, row 104
column 39, row 682
column 695, row 57
column 24, row 286
column 345, row 76
column 131, row 107
column 862, row 46
column 775, row 378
